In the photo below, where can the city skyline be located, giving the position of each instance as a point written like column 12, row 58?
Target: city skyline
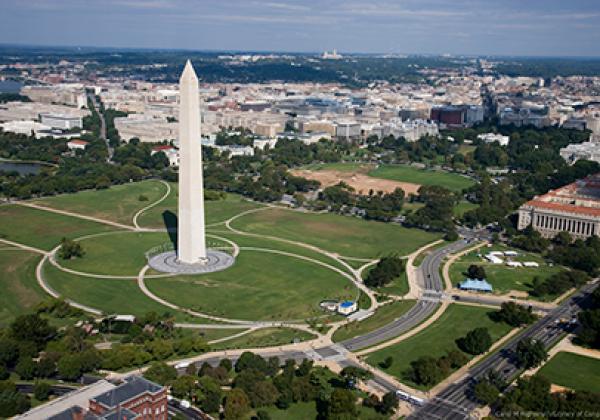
column 467, row 27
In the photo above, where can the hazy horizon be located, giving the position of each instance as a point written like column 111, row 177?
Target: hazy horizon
column 535, row 28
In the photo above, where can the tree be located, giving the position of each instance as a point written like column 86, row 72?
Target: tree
column 530, row 353
column 26, row 368
column 425, row 371
column 161, row 373
column 389, row 403
column 183, row 386
column 485, row 392
column 9, row 352
column 12, row 403
column 386, row 270
column 476, row 341
column 342, row 405
column 41, row 391
column 353, row 374
column 514, row 315
column 32, row 328
column 562, row 238
column 262, row 415
column 225, row 364
column 237, row 404
column 69, row 367
column 70, row 249
column 476, row 272
column 209, row 395
column 387, row 362
column 249, row 360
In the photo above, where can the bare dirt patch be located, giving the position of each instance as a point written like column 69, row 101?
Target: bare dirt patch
column 357, row 179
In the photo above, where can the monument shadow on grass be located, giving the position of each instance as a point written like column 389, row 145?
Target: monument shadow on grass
column 170, row 221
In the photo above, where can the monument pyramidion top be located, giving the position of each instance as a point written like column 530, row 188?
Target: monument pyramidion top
column 188, row 74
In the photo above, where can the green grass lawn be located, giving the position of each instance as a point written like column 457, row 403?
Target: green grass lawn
column 214, row 211
column 407, row 173
column 120, row 253
column 42, row 229
column 502, row 277
column 109, row 296
column 437, row 339
column 398, row 286
column 265, row 337
column 347, row 236
column 466, row 148
column 118, row 203
column 257, row 242
column 462, row 207
column 384, row 315
column 308, row 411
column 574, row 371
column 20, row 290
column 258, row 286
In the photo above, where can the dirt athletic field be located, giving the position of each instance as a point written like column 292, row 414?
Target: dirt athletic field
column 357, row 179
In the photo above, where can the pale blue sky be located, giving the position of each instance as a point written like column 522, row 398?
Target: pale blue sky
column 499, row 27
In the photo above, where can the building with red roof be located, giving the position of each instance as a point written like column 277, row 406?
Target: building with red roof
column 574, row 208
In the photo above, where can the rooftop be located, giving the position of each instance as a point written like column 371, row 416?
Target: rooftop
column 473, row 284
column 132, row 387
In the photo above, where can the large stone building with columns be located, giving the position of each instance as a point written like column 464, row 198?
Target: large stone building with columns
column 574, row 208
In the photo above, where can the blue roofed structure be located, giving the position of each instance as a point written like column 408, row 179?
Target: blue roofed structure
column 477, row 285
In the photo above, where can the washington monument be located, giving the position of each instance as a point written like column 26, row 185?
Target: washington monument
column 191, row 246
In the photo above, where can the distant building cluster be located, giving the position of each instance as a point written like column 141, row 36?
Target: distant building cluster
column 574, row 208
column 589, row 150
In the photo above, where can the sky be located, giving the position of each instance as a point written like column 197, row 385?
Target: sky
column 471, row 27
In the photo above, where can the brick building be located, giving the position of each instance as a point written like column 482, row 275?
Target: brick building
column 138, row 395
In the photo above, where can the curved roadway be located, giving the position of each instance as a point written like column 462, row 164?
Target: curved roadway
column 428, row 274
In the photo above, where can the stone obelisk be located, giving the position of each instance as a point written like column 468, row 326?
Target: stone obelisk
column 191, row 246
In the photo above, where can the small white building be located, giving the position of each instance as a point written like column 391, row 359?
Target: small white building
column 263, row 143
column 490, row 138
column 77, row 144
column 530, row 264
column 511, row 253
column 171, row 153
column 514, row 264
column 494, row 259
column 347, row 307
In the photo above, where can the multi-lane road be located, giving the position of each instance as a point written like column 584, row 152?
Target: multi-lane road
column 455, row 402
column 428, row 275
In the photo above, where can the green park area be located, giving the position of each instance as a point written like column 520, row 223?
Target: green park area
column 308, row 410
column 20, row 290
column 384, row 315
column 437, row 339
column 118, row 203
column 259, row 286
column 412, row 174
column 347, row 236
column 502, row 277
column 397, row 287
column 215, row 211
column 125, row 250
column 111, row 296
column 401, row 173
column 43, row 229
column 264, row 337
column 580, row 373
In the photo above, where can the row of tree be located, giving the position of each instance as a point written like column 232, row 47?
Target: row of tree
column 257, row 384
